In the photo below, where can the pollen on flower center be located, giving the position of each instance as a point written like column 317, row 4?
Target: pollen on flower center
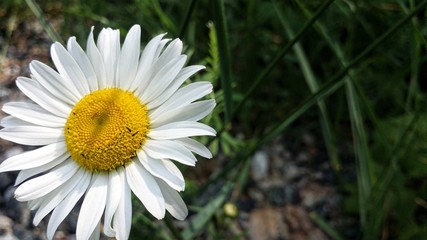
column 106, row 128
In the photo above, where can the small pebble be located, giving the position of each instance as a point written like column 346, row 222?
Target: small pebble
column 259, row 165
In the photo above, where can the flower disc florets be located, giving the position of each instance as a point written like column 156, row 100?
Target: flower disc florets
column 106, row 128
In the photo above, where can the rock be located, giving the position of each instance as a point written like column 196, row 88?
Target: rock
column 313, row 193
column 291, row 194
column 292, row 172
column 259, row 165
column 267, row 223
column 6, row 230
column 5, row 181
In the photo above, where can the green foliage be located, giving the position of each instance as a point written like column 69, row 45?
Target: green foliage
column 355, row 70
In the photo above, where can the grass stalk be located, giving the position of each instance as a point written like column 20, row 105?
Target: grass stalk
column 264, row 74
column 187, row 17
column 313, row 85
column 224, row 56
column 51, row 32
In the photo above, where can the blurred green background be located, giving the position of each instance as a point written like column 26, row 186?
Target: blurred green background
column 351, row 72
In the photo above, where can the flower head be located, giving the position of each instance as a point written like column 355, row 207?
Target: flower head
column 109, row 122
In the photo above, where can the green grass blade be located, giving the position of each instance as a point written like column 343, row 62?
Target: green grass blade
column 187, row 17
column 35, row 8
column 328, row 229
column 313, row 84
column 224, row 56
column 264, row 74
column 379, row 41
column 323, row 92
column 203, row 217
column 361, row 150
column 164, row 18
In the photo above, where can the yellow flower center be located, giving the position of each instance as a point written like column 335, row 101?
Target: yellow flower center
column 106, row 128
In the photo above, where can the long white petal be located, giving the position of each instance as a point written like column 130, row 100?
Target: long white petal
column 192, row 112
column 54, row 83
column 163, row 169
column 35, row 158
column 143, row 74
column 161, row 149
column 173, row 202
column 146, row 189
column 109, row 46
column 32, row 135
column 123, row 216
column 181, row 130
column 42, row 97
column 95, row 58
column 163, row 78
column 35, row 203
column 51, row 200
column 33, row 113
column 195, row 147
column 84, row 63
column 92, row 207
column 69, row 69
column 65, row 207
column 173, row 50
column 11, row 122
column 129, row 58
column 27, row 173
column 40, row 186
column 183, row 75
column 183, row 97
column 113, row 199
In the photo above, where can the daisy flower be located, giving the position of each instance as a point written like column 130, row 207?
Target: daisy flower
column 111, row 121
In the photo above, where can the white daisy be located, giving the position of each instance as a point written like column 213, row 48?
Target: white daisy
column 111, row 121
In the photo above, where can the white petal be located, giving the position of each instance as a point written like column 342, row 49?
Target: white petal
column 173, row 202
column 35, row 158
column 32, row 135
column 146, row 189
column 169, row 150
column 123, row 216
column 84, row 63
column 42, row 97
column 129, row 58
column 181, row 130
column 195, row 147
column 182, row 97
column 160, row 48
column 183, row 75
column 69, row 69
column 34, row 204
column 113, row 199
column 163, row 169
column 143, row 74
column 51, row 200
column 95, row 58
column 54, row 83
column 33, row 113
column 27, row 173
column 65, row 207
column 192, row 112
column 109, row 46
column 11, row 122
column 40, row 186
column 92, row 207
column 163, row 78
column 173, row 50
